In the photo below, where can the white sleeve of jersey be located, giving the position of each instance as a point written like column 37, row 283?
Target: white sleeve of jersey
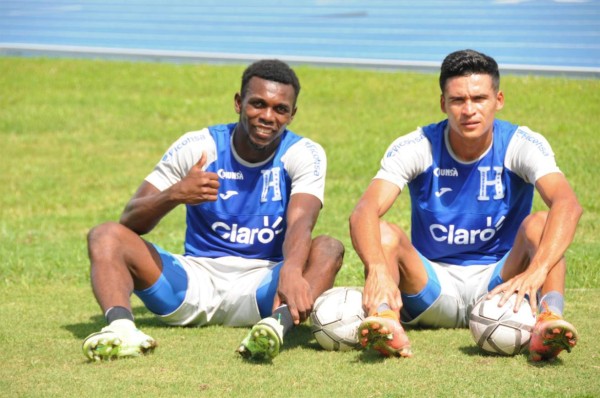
column 306, row 164
column 529, row 155
column 181, row 157
column 406, row 158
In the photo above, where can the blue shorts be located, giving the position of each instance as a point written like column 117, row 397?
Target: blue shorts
column 168, row 292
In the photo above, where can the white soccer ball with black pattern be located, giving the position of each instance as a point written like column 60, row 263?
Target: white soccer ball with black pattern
column 335, row 318
column 500, row 330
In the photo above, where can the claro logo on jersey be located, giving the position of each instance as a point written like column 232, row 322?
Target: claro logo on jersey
column 235, row 233
column 453, row 235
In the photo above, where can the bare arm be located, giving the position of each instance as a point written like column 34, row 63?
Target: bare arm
column 293, row 289
column 559, row 231
column 149, row 205
column 380, row 285
column 565, row 212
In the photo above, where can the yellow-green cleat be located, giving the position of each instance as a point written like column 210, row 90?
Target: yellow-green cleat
column 119, row 339
column 264, row 340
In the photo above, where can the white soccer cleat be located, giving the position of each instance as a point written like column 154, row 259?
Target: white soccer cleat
column 119, row 339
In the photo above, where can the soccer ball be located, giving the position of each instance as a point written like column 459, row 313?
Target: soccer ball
column 335, row 318
column 500, row 330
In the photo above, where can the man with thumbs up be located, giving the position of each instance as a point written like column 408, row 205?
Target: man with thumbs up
column 253, row 191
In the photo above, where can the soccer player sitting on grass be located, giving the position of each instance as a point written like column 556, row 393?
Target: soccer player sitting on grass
column 253, row 191
column 471, row 180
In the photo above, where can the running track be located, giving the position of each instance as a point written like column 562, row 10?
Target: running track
column 535, row 36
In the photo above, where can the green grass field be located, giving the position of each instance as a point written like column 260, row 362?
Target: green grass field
column 77, row 138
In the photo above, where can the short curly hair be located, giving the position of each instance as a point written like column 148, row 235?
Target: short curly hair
column 468, row 62
column 273, row 70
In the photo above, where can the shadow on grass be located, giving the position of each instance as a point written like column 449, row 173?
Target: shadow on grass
column 475, row 351
column 364, row 356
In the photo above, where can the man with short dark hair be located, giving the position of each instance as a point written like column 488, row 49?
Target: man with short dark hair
column 253, row 191
column 471, row 179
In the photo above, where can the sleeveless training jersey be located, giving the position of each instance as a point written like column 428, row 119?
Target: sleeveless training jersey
column 248, row 219
column 467, row 213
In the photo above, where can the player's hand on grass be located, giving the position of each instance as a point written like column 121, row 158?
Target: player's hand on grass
column 198, row 186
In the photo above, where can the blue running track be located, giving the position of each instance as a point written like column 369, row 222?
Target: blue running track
column 537, row 36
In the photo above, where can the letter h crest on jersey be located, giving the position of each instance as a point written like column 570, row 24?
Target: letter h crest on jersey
column 489, row 179
column 271, row 181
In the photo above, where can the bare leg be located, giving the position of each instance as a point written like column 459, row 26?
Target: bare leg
column 324, row 262
column 525, row 246
column 266, row 337
column 382, row 330
column 120, row 261
column 403, row 260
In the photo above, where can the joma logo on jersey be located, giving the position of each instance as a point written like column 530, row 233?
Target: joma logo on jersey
column 236, row 234
column 459, row 236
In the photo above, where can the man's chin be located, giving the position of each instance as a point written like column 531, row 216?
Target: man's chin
column 257, row 146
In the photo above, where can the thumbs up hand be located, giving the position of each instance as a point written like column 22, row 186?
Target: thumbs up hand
column 198, row 186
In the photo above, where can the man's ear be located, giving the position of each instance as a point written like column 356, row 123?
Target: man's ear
column 442, row 103
column 237, row 103
column 499, row 100
column 293, row 114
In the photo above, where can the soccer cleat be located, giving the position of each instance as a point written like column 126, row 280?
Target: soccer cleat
column 263, row 341
column 383, row 332
column 551, row 334
column 119, row 339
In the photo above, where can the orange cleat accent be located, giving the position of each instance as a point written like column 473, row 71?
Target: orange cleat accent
column 383, row 332
column 551, row 335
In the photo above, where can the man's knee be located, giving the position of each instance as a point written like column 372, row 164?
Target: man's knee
column 327, row 247
column 107, row 230
column 105, row 237
column 533, row 226
column 392, row 236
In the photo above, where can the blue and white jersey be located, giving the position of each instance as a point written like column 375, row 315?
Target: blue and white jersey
column 467, row 213
column 249, row 217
